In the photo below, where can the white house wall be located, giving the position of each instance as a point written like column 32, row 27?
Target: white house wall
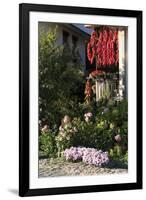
column 60, row 29
column 80, row 43
column 123, row 64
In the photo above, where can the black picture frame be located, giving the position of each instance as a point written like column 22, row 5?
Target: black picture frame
column 24, row 9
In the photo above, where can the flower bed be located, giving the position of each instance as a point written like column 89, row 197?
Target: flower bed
column 87, row 155
column 103, row 127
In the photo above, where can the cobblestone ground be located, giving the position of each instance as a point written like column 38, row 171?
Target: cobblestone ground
column 57, row 167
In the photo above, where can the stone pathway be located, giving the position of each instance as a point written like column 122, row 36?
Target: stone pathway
column 58, row 167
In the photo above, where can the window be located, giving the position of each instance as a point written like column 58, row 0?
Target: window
column 65, row 37
column 74, row 41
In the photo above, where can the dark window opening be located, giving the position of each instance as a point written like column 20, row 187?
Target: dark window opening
column 75, row 51
column 65, row 37
column 74, row 41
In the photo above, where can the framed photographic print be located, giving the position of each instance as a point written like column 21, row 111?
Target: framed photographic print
column 80, row 99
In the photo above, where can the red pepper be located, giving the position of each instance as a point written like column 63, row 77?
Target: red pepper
column 105, row 48
column 88, row 89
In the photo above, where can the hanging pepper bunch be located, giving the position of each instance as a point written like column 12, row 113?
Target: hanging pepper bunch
column 115, row 38
column 97, row 73
column 104, row 46
column 88, row 89
column 91, row 47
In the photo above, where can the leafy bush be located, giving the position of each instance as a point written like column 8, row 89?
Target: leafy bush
column 113, row 116
column 61, row 83
column 125, row 158
column 47, row 144
column 106, row 130
column 64, row 139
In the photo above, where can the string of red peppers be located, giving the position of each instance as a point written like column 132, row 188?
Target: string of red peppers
column 88, row 90
column 104, row 47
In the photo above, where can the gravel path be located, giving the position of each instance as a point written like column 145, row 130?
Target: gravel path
column 58, row 167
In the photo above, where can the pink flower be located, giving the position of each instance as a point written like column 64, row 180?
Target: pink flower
column 87, row 155
column 118, row 138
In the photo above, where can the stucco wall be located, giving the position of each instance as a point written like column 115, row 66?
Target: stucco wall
column 60, row 28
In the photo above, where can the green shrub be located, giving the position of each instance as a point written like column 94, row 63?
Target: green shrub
column 47, row 144
column 100, row 131
column 85, row 133
column 112, row 118
column 124, row 158
column 109, row 120
column 61, row 81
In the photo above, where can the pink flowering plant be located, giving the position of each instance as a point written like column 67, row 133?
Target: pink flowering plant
column 65, row 136
column 89, row 156
column 102, row 128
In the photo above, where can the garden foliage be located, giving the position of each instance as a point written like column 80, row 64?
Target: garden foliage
column 61, row 93
column 61, row 82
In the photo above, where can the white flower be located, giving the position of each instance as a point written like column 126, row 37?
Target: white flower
column 45, row 128
column 89, row 114
column 86, row 119
column 60, row 128
column 75, row 129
